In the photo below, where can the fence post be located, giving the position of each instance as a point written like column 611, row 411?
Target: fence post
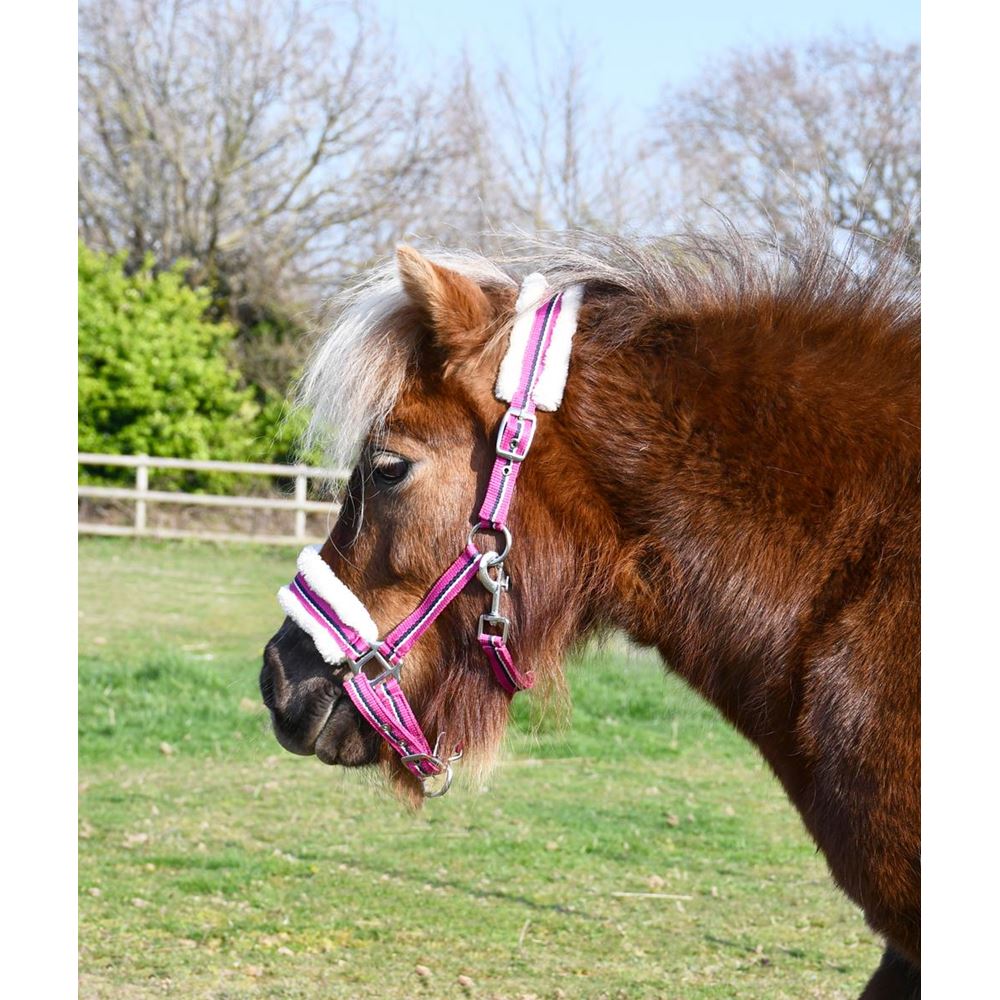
column 301, row 482
column 142, row 486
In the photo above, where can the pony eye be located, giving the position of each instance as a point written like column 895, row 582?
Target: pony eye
column 389, row 470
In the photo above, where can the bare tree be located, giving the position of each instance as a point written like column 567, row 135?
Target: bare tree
column 267, row 141
column 278, row 145
column 534, row 151
column 564, row 163
column 831, row 129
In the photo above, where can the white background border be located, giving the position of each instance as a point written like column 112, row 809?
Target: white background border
column 961, row 499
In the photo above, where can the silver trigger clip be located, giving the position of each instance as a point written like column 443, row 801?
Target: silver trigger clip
column 497, row 587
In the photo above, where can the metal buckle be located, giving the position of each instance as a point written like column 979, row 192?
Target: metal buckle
column 526, row 429
column 388, row 669
column 497, row 589
column 493, row 619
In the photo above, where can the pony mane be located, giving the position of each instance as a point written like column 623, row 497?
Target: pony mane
column 361, row 363
column 693, row 274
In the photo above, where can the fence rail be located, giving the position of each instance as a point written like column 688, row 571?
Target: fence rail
column 141, row 495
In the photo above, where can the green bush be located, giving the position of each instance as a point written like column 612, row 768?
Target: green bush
column 155, row 376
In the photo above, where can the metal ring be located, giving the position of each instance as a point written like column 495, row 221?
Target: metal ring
column 444, row 788
column 446, row 770
column 507, row 539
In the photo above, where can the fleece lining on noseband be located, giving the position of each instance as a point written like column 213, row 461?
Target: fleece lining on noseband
column 302, row 601
column 548, row 390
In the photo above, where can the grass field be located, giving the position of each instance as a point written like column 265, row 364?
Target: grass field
column 644, row 851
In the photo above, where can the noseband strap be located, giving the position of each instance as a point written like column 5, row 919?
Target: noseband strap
column 532, row 376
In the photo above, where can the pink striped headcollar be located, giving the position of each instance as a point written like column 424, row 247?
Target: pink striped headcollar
column 531, row 377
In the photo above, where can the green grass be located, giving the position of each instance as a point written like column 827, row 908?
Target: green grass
column 219, row 866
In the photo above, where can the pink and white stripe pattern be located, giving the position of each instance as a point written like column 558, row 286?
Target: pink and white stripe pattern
column 385, row 708
column 498, row 656
column 317, row 605
column 517, row 429
column 448, row 586
column 320, row 604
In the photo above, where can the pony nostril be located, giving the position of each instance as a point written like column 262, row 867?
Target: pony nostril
column 271, row 676
column 267, row 687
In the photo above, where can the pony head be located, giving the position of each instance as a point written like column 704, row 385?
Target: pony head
column 407, row 381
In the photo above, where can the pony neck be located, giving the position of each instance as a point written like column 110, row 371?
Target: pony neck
column 737, row 466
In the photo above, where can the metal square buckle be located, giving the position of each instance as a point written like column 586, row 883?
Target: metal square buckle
column 485, row 621
column 522, row 437
column 388, row 669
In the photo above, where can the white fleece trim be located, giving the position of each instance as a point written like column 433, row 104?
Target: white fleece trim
column 549, row 388
column 334, row 591
column 530, row 298
column 326, row 645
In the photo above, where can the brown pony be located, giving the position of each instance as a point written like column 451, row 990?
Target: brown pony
column 733, row 478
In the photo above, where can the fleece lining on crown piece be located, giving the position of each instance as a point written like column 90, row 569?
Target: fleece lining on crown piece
column 549, row 388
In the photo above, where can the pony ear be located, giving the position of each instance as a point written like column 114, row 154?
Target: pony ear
column 457, row 308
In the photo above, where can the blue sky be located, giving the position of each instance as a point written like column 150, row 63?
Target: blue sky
column 635, row 46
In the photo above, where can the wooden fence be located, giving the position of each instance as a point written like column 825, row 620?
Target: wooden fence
column 141, row 495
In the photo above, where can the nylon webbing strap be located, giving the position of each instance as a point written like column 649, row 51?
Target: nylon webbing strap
column 350, row 642
column 383, row 703
column 448, row 586
column 498, row 656
column 517, row 429
column 380, row 699
column 388, row 712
